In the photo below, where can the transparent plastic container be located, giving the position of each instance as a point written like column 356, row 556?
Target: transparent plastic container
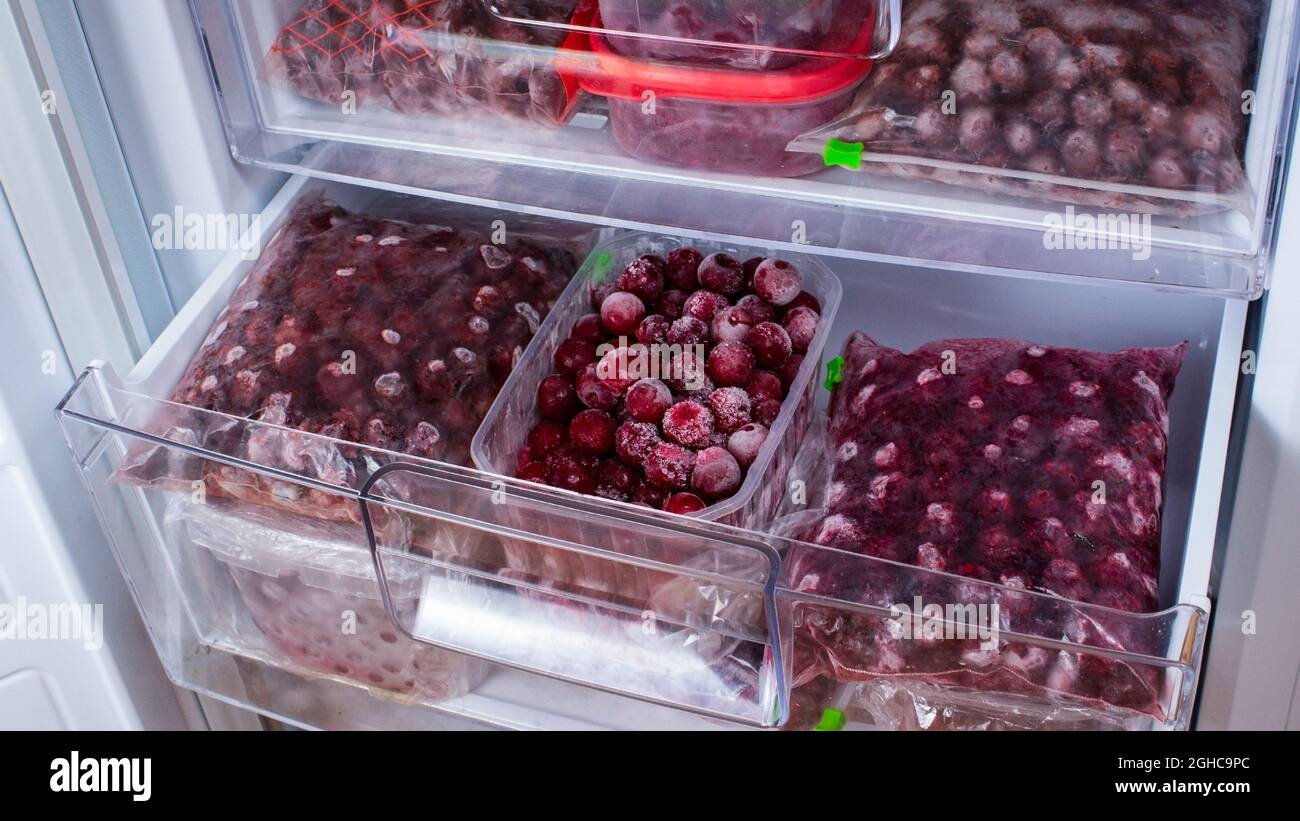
column 505, row 428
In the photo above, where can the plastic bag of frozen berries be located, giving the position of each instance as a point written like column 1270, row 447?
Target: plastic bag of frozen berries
column 1129, row 104
column 448, row 57
column 1020, row 480
column 355, row 341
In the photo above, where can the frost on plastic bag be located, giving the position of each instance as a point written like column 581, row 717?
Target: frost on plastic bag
column 446, row 57
column 1106, row 103
column 353, row 340
column 1031, row 469
column 310, row 587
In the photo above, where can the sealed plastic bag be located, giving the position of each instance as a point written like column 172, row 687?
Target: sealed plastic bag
column 311, row 589
column 354, row 339
column 446, row 57
column 1130, row 104
column 1028, row 467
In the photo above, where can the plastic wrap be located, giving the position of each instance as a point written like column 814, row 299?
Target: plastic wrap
column 1035, row 470
column 1136, row 105
column 353, row 340
column 447, row 57
column 311, row 589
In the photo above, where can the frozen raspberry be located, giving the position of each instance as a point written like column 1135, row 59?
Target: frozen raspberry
column 648, row 400
column 770, row 344
column 653, row 330
column 758, row 310
column 689, row 423
column 683, row 265
column 805, row 300
column 592, row 432
column 777, row 281
column 731, row 324
column 670, row 466
column 766, row 411
column 633, row 441
column 535, row 472
column 717, row 473
column 765, row 385
column 704, row 304
column 730, row 407
column 790, row 370
column 617, row 369
column 683, row 503
column 745, row 443
column 621, row 312
column 670, row 304
column 644, row 278
column 570, row 472
column 801, row 326
column 731, row 363
column 545, row 438
column 556, row 399
column 645, row 493
column 721, row 273
column 615, row 480
column 572, row 356
column 593, row 392
column 589, row 328
column 688, row 331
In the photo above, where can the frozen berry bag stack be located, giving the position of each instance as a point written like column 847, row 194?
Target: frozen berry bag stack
column 426, row 57
column 353, row 342
column 1035, row 471
column 1129, row 104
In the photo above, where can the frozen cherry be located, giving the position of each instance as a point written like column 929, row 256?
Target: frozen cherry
column 686, row 372
column 547, row 437
column 670, row 304
column 790, row 370
column 801, row 326
column 758, row 310
column 722, row 273
column 704, row 304
column 766, row 411
column 716, row 474
column 653, row 330
column 556, row 399
column 644, row 278
column 777, row 281
column 683, row 265
column 731, row 324
column 730, row 408
column 592, row 432
column 615, row 480
column 616, row 370
column 765, row 385
column 689, row 423
column 599, row 293
column 621, row 312
column 670, row 466
column 572, row 473
column 683, row 503
column 535, row 472
column 688, row 331
column 749, row 267
column 805, row 300
column 731, row 363
column 649, row 495
column 770, row 344
column 572, row 356
column 633, row 441
column 593, row 392
column 589, row 328
column 648, row 400
column 745, row 443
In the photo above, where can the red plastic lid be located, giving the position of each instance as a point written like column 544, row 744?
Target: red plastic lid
column 602, row 71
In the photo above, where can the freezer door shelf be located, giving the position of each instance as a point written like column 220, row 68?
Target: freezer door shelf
column 576, row 170
column 512, row 605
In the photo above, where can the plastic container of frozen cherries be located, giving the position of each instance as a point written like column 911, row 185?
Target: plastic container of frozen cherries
column 732, row 120
column 505, row 428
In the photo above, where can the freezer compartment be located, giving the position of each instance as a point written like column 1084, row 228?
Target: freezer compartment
column 580, row 171
column 708, row 597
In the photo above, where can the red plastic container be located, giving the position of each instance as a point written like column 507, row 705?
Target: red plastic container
column 728, row 120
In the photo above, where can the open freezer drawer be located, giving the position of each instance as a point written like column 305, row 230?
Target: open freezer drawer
column 702, row 633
